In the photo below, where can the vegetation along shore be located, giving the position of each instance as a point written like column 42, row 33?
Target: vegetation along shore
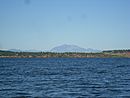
column 103, row 54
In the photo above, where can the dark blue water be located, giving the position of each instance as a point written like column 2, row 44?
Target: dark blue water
column 64, row 77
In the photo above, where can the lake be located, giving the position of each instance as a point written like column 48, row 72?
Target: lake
column 64, row 77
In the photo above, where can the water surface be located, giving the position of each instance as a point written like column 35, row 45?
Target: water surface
column 64, row 77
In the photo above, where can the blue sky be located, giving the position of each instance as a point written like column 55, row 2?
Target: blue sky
column 43, row 24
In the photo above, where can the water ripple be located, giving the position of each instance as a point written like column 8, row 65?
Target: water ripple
column 65, row 78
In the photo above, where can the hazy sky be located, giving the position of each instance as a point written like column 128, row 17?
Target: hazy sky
column 43, row 24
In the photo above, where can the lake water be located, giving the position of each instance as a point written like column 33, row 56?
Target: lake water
column 64, row 77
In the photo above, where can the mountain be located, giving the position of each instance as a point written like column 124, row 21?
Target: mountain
column 14, row 50
column 61, row 48
column 32, row 50
column 71, row 48
column 18, row 50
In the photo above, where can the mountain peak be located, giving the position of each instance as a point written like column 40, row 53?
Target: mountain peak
column 71, row 48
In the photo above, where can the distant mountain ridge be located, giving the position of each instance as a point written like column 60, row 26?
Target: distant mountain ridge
column 18, row 50
column 72, row 48
column 60, row 49
column 14, row 50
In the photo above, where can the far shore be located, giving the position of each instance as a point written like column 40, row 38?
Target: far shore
column 104, row 54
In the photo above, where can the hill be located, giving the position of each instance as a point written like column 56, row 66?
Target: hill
column 71, row 48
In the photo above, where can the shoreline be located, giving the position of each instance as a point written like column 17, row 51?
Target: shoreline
column 9, row 54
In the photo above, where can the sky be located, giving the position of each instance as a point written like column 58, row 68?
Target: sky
column 44, row 24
